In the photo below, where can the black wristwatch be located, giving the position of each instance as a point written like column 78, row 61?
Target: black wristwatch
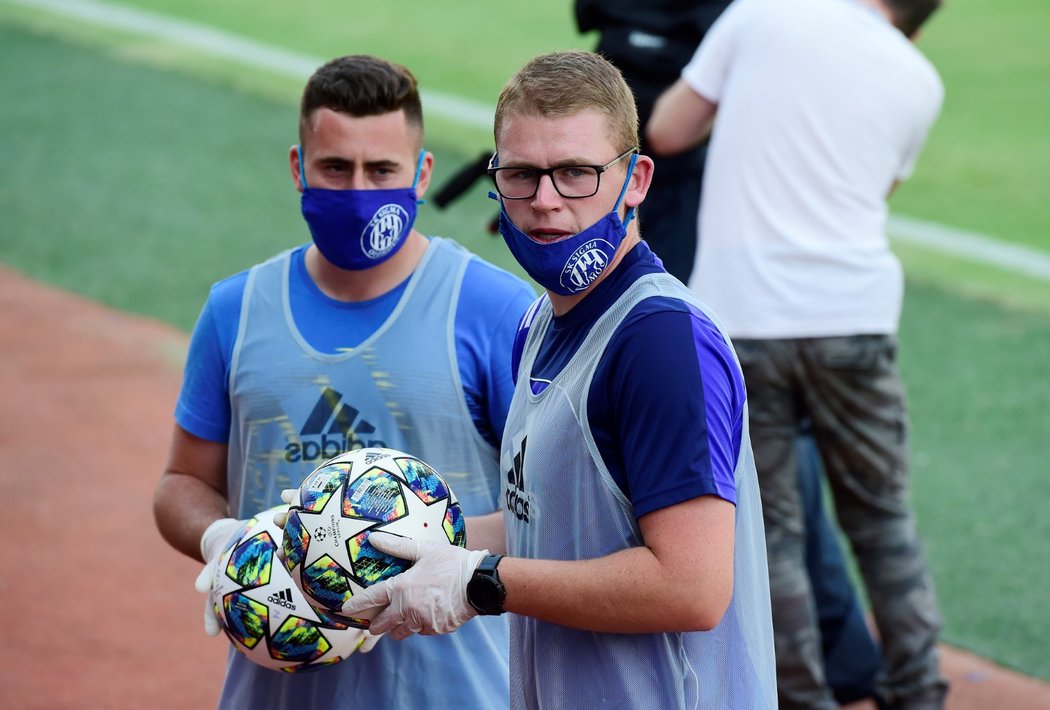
column 485, row 591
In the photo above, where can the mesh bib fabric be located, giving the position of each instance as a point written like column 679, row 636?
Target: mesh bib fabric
column 561, row 503
column 294, row 407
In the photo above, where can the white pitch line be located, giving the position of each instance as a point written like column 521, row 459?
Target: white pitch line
column 931, row 235
column 970, row 245
column 240, row 49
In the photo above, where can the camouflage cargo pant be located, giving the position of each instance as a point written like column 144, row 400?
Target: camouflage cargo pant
column 850, row 389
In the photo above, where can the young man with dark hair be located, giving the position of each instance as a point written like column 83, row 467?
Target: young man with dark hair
column 371, row 335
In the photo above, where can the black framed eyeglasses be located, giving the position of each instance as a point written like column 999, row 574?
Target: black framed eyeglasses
column 520, row 182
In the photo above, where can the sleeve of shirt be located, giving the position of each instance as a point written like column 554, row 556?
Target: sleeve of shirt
column 706, row 72
column 674, row 398
column 490, row 307
column 524, row 325
column 925, row 116
column 203, row 406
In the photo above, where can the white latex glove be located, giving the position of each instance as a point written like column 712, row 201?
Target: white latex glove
column 368, row 641
column 428, row 598
column 213, row 541
column 287, row 495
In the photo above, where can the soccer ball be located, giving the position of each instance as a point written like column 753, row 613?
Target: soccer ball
column 263, row 613
column 326, row 547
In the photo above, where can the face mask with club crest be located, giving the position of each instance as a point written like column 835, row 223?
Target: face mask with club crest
column 569, row 266
column 359, row 229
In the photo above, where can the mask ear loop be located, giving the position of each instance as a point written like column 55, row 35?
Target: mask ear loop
column 302, row 170
column 494, row 163
column 623, row 191
column 419, row 169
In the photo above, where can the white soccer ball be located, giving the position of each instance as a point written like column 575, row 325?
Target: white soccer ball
column 326, row 547
column 264, row 614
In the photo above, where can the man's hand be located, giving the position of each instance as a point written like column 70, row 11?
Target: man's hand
column 429, row 598
column 280, row 519
column 213, row 541
column 212, row 544
column 368, row 641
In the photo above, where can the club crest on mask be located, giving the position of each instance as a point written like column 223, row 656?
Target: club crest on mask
column 586, row 264
column 384, row 230
column 382, row 217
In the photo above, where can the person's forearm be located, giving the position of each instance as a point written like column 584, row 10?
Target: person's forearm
column 681, row 119
column 626, row 592
column 485, row 532
column 183, row 507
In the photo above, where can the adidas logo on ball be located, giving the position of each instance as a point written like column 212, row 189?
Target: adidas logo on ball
column 262, row 613
column 282, row 598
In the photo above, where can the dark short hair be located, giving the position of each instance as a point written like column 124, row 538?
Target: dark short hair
column 909, row 15
column 362, row 85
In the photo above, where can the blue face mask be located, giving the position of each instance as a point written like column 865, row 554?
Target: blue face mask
column 358, row 229
column 571, row 265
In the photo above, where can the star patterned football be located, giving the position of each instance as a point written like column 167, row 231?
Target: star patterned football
column 326, row 547
column 263, row 613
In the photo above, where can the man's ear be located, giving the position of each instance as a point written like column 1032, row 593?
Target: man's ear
column 425, row 173
column 641, row 179
column 294, row 166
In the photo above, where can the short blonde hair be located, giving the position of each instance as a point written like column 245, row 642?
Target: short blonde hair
column 564, row 83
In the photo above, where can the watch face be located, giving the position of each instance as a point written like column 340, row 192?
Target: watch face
column 480, row 594
column 485, row 592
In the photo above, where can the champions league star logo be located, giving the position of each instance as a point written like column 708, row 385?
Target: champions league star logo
column 586, row 264
column 383, row 231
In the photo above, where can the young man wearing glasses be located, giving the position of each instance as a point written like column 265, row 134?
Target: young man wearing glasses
column 631, row 515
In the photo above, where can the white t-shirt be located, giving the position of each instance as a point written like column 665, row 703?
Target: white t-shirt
column 822, row 106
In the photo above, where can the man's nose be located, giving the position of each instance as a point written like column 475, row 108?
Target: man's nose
column 547, row 195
